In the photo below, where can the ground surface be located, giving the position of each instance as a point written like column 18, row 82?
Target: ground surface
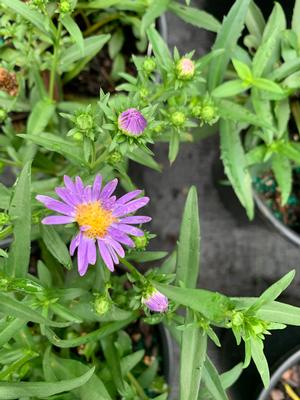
column 238, row 257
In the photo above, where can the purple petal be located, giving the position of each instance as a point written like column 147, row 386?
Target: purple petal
column 91, row 252
column 130, row 207
column 131, row 230
column 105, row 254
column 79, row 185
column 136, row 219
column 128, row 196
column 56, row 205
column 121, row 237
column 57, row 220
column 82, row 256
column 87, row 194
column 96, row 187
column 116, row 246
column 113, row 254
column 69, row 184
column 74, row 244
column 67, row 196
column 108, row 189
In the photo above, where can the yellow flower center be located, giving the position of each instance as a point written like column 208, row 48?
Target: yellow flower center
column 95, row 217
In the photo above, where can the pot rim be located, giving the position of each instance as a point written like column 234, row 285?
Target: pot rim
column 289, row 362
column 288, row 233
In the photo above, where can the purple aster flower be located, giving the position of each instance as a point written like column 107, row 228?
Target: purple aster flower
column 102, row 219
column 132, row 122
column 156, row 301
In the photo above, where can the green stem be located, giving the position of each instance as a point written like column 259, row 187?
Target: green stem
column 55, row 61
column 101, row 23
column 137, row 386
column 133, row 270
column 6, row 232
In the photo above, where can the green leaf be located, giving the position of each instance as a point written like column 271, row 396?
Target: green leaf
column 40, row 116
column 296, row 19
column 257, row 353
column 146, row 256
column 154, row 10
column 13, row 390
column 242, row 69
column 57, row 144
column 188, row 252
column 235, row 165
column 62, row 368
column 174, row 146
column 148, row 376
column 115, row 44
column 282, row 168
column 102, row 332
column 290, row 150
column 265, row 55
column 113, row 361
column 256, row 155
column 230, row 88
column 74, row 31
column 212, row 381
column 192, row 357
column 20, row 214
column 5, row 195
column 233, row 111
column 212, row 305
column 92, row 46
column 273, row 291
column 227, row 39
column 11, row 329
column 195, row 17
column 267, row 85
column 160, row 48
column 169, row 265
column 283, row 114
column 228, row 378
column 55, row 245
column 285, row 70
column 20, row 310
column 143, row 158
column 255, row 21
column 32, row 16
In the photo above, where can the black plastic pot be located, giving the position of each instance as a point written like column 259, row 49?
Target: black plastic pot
column 289, row 362
column 278, row 225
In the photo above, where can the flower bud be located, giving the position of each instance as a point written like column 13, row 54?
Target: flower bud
column 178, row 118
column 65, row 7
column 155, row 300
column 132, row 122
column 115, row 158
column 84, row 121
column 185, row 68
column 144, row 92
column 3, row 115
column 141, row 242
column 237, row 319
column 4, row 219
column 209, row 112
column 78, row 136
column 102, row 304
column 149, row 65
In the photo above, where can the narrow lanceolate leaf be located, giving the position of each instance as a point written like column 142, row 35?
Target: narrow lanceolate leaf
column 212, row 381
column 196, row 17
column 61, row 368
column 266, row 54
column 228, row 378
column 255, row 21
column 56, row 246
column 282, row 168
column 154, row 10
column 295, row 20
column 227, row 39
column 235, row 165
column 20, row 213
column 74, row 31
column 233, row 111
column 143, row 158
column 40, row 116
column 230, row 88
column 33, row 16
column 257, row 353
column 5, row 195
column 113, row 360
column 193, row 353
column 273, row 291
column 188, row 253
column 14, row 390
column 160, row 48
column 92, row 46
